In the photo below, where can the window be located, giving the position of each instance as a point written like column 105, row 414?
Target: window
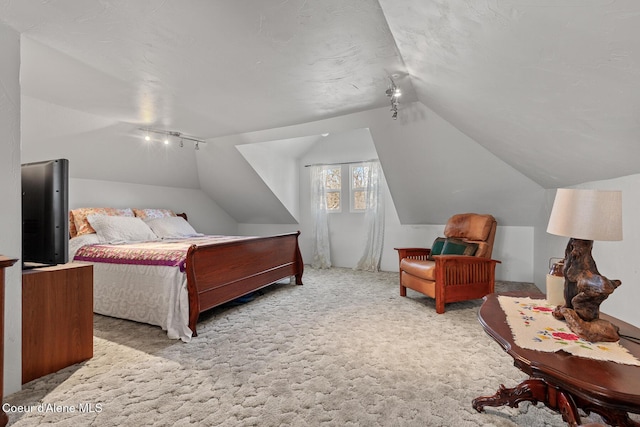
column 359, row 174
column 358, row 181
column 333, row 186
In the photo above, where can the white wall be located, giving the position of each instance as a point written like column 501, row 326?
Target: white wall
column 615, row 260
column 204, row 215
column 10, row 208
column 513, row 246
column 278, row 168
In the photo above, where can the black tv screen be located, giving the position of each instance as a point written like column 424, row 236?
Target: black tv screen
column 45, row 213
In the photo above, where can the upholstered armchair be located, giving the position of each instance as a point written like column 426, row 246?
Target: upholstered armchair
column 457, row 267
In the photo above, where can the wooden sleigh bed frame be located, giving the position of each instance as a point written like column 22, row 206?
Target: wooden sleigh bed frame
column 219, row 273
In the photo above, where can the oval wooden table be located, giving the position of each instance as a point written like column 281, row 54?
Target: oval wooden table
column 564, row 382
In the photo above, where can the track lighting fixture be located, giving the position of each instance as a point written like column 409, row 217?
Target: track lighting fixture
column 169, row 134
column 393, row 92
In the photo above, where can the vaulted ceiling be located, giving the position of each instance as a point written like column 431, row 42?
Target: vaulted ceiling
column 547, row 86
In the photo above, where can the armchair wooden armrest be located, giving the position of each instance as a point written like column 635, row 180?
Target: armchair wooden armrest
column 413, row 253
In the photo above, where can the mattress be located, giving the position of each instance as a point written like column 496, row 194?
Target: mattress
column 142, row 281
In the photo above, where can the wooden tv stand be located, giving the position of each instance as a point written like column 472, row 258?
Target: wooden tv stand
column 564, row 382
column 57, row 318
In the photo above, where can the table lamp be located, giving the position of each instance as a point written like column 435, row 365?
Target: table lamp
column 585, row 216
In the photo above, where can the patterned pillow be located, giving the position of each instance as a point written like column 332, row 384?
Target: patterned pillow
column 82, row 224
column 459, row 247
column 153, row 213
column 72, row 226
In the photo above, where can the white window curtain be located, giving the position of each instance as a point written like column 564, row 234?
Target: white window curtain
column 321, row 246
column 374, row 219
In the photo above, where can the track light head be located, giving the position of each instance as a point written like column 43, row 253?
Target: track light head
column 393, row 92
column 168, row 134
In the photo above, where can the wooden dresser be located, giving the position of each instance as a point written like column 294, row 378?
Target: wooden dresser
column 57, row 318
column 4, row 263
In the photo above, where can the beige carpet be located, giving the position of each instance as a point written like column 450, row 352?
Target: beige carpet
column 343, row 350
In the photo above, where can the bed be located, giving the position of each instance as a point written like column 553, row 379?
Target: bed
column 170, row 281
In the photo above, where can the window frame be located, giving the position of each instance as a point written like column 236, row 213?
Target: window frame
column 328, row 190
column 353, row 189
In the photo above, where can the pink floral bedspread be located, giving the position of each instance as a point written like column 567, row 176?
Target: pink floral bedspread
column 171, row 253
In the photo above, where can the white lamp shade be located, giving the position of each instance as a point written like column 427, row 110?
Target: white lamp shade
column 587, row 214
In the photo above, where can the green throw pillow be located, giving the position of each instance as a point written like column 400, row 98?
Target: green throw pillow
column 458, row 247
column 438, row 244
column 436, row 247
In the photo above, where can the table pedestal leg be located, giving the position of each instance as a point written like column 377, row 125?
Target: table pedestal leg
column 611, row 417
column 533, row 390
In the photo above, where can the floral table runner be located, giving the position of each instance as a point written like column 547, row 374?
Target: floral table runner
column 534, row 328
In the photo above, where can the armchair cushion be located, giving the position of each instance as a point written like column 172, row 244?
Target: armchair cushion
column 484, row 249
column 473, row 228
column 469, row 226
column 424, row 269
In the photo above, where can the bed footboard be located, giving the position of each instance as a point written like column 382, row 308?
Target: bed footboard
column 223, row 272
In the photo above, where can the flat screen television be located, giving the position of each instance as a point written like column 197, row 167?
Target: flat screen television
column 45, row 213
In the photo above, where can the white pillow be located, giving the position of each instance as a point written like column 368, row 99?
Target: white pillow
column 171, row 227
column 120, row 229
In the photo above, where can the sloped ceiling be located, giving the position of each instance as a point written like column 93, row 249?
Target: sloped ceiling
column 220, row 68
column 549, row 86
column 546, row 86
